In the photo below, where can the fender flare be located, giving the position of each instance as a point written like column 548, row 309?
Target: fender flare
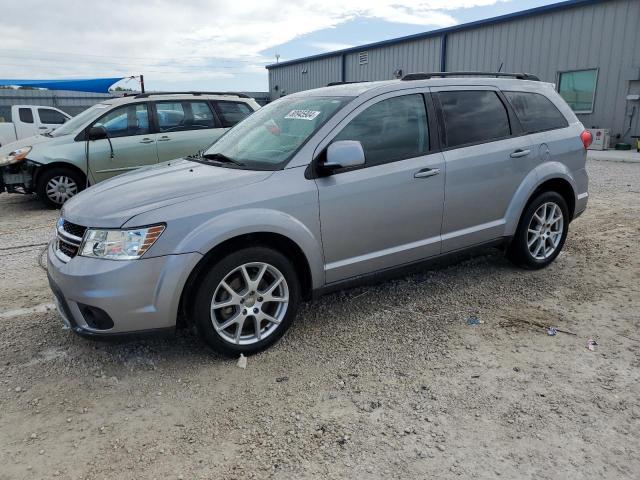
column 233, row 224
column 542, row 173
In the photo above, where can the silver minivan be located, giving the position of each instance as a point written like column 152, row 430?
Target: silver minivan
column 319, row 190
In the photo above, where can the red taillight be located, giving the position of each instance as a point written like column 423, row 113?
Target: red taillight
column 586, row 138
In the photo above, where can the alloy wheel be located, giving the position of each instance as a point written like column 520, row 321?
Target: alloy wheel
column 249, row 303
column 545, row 231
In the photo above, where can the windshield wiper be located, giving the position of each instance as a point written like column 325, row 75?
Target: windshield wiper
column 222, row 158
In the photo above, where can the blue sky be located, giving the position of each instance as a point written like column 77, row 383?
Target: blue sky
column 210, row 44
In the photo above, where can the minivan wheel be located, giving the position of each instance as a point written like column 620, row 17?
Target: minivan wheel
column 57, row 185
column 541, row 232
column 247, row 301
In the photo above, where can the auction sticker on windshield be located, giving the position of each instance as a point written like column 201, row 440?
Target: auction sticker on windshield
column 302, row 114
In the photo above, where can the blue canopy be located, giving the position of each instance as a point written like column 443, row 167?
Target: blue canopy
column 95, row 85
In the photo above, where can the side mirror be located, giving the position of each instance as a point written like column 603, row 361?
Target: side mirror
column 344, row 154
column 97, row 133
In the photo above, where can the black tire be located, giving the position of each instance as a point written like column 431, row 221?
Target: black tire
column 202, row 316
column 518, row 251
column 72, row 177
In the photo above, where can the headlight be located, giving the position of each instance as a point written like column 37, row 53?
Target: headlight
column 119, row 244
column 15, row 156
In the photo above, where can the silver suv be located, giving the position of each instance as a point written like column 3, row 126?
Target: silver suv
column 315, row 191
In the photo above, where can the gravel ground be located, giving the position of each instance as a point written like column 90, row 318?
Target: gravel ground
column 382, row 382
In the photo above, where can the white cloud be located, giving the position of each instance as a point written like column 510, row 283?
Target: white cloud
column 330, row 46
column 183, row 41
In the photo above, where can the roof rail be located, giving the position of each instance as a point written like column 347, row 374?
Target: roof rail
column 236, row 94
column 333, row 84
column 428, row 75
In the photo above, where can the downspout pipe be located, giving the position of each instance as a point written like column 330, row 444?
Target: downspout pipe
column 343, row 67
column 443, row 52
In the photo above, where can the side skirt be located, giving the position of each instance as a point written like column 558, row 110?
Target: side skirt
column 380, row 276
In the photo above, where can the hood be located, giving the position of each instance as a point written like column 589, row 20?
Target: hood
column 111, row 203
column 31, row 142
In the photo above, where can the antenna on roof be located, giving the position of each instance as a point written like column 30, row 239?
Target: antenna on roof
column 277, row 57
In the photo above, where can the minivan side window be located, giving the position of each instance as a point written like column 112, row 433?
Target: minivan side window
column 26, row 115
column 233, row 112
column 473, row 117
column 393, row 129
column 126, row 121
column 184, row 115
column 51, row 116
column 536, row 112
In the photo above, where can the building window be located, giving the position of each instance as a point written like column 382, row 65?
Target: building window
column 363, row 58
column 578, row 88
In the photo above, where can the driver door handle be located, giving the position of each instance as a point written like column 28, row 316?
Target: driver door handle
column 146, row 140
column 426, row 172
column 520, row 153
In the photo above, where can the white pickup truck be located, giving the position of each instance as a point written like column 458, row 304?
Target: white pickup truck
column 29, row 120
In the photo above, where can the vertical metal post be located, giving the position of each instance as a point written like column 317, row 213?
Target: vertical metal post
column 443, row 52
column 141, row 83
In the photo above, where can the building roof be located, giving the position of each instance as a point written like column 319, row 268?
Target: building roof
column 554, row 7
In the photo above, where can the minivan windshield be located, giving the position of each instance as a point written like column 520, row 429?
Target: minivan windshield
column 79, row 120
column 268, row 138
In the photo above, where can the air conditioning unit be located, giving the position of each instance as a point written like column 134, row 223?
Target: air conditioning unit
column 600, row 137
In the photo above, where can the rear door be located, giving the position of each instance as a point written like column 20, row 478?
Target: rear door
column 133, row 143
column 50, row 118
column 185, row 127
column 390, row 211
column 487, row 157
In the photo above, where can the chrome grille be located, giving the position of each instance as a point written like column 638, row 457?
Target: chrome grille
column 69, row 238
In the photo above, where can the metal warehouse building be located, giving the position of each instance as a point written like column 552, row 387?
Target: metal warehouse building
column 589, row 48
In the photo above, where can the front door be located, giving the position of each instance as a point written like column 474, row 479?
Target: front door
column 185, row 128
column 487, row 157
column 389, row 212
column 134, row 145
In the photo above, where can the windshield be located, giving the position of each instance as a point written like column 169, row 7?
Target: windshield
column 79, row 120
column 268, row 138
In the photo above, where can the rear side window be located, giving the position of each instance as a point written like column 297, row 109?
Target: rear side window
column 51, row 116
column 26, row 115
column 233, row 112
column 536, row 112
column 473, row 117
column 391, row 130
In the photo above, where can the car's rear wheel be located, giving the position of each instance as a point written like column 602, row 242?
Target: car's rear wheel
column 57, row 185
column 247, row 301
column 541, row 232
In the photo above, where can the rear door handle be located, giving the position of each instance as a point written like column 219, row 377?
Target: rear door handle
column 146, row 140
column 520, row 153
column 426, row 172
column 164, row 138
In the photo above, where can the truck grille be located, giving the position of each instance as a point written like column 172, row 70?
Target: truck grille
column 69, row 239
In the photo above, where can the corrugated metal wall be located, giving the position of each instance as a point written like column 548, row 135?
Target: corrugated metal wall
column 603, row 35
column 415, row 56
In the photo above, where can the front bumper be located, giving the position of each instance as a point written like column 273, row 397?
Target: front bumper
column 137, row 296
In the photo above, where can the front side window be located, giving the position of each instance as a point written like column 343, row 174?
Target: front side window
column 26, row 115
column 73, row 125
column 536, row 112
column 51, row 116
column 393, row 129
column 233, row 112
column 126, row 121
column 473, row 117
column 578, row 88
column 271, row 136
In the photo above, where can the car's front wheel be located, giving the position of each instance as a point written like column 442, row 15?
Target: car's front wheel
column 57, row 185
column 247, row 301
column 541, row 233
